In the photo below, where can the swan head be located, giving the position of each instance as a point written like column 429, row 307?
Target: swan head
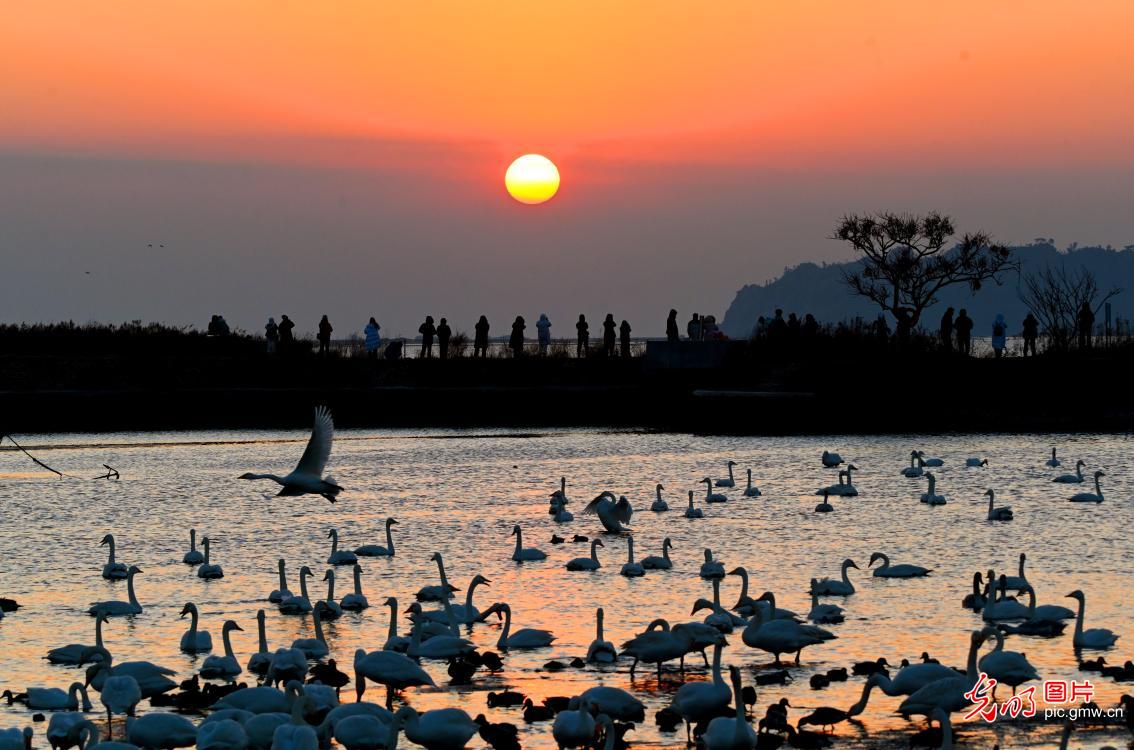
column 390, row 522
column 667, row 543
column 390, row 602
column 435, row 557
column 597, row 543
column 329, row 575
column 132, row 570
column 478, row 578
column 738, row 572
column 732, row 463
column 515, row 530
column 414, row 609
column 660, row 487
column 247, row 475
column 332, row 534
column 188, row 609
column 875, row 558
column 305, row 571
column 108, row 539
column 708, row 555
column 701, row 604
column 989, row 492
column 852, row 467
column 1077, row 594
column 261, row 616
column 1100, row 473
column 230, row 625
column 849, row 563
column 708, row 481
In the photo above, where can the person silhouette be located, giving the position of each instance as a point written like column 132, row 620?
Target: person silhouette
column 443, row 334
column 543, row 333
column 693, row 328
column 946, row 330
column 608, row 335
column 963, row 325
column 810, row 326
column 778, row 327
column 286, row 327
column 1086, row 321
column 427, row 330
column 516, row 340
column 624, row 338
column 999, row 335
column 324, row 335
column 584, row 337
column 372, row 340
column 272, row 334
column 672, row 335
column 1030, row 333
column 480, row 340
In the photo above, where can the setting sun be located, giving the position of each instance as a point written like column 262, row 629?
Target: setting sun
column 532, row 179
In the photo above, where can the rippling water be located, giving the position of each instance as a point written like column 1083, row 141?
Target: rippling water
column 459, row 493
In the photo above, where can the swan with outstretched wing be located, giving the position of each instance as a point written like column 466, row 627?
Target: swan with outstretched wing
column 307, row 478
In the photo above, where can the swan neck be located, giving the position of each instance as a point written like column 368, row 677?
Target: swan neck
column 263, row 633
column 389, row 539
column 331, row 589
column 111, row 542
column 630, row 548
column 598, row 625
column 1080, row 617
column 946, row 733
column 717, row 678
column 98, row 632
column 502, row 643
column 192, row 540
column 358, row 581
column 393, row 633
column 130, row 589
column 594, row 550
column 283, row 577
column 441, row 570
column 193, row 621
column 227, row 638
column 303, row 585
column 519, row 541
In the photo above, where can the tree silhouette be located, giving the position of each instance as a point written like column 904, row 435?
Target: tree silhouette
column 1055, row 295
column 906, row 261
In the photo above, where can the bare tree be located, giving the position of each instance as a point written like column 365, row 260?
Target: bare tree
column 907, row 260
column 1055, row 295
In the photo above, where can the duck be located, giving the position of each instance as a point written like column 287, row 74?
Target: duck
column 916, row 467
column 534, row 713
column 973, row 463
column 338, row 556
column 1053, row 462
column 298, row 605
column 1008, row 667
column 443, row 590
column 662, row 562
column 113, row 570
column 886, row 570
column 523, row 554
column 194, row 641
column 832, row 587
column 574, row 727
column 52, row 699
column 259, row 662
column 691, row 512
column 499, row 736
column 1090, row 497
column 710, row 496
column 377, row 550
column 1003, row 513
column 699, row 701
column 659, row 505
column 751, row 490
column 524, row 638
column 1076, row 478
column 587, row 563
column 328, row 608
column 307, row 477
column 823, row 717
column 72, row 654
column 114, row 608
column 355, row 601
column 731, row 733
column 831, row 460
column 556, row 539
column 601, row 651
column 278, row 595
column 731, row 480
column 314, row 648
column 330, row 675
column 193, row 556
column 207, row 569
column 825, row 506
column 395, row 671
column 631, row 569
column 611, row 514
column 224, row 667
column 823, row 614
column 1094, row 638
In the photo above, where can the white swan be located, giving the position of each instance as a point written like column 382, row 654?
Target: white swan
column 523, row 638
column 208, row 569
column 194, row 641
column 1003, row 513
column 710, row 496
column 779, row 636
column 587, row 563
column 973, row 463
column 825, row 506
column 223, row 666
column 296, row 734
column 691, row 512
column 355, row 601
column 377, row 550
column 366, row 732
column 282, row 592
column 916, row 467
column 574, row 727
column 113, row 570
column 751, row 490
column 1054, row 612
column 731, row 481
column 614, row 702
column 560, row 495
column 522, row 554
column 466, row 613
column 1090, row 497
column 831, row 587
column 930, row 496
column 845, row 486
column 437, row 647
column 315, row 648
column 1076, row 478
column 946, row 694
column 443, row 590
column 695, row 702
column 1053, row 462
column 631, row 569
column 394, row 642
column 328, row 608
column 338, row 556
column 307, row 477
column 662, row 562
column 152, row 679
column 659, row 505
column 160, row 730
column 1018, row 582
column 560, row 514
column 261, row 700
column 905, row 570
column 193, row 556
column 16, row 739
column 934, row 462
column 907, row 682
column 53, row 699
column 226, row 734
column 439, row 729
column 611, row 514
column 395, row 671
column 656, row 645
column 1003, row 607
column 831, row 460
column 72, row 653
column 298, row 605
column 114, row 608
column 259, row 662
column 288, row 665
column 731, row 733
column 1009, row 667
column 823, row 614
column 711, row 568
column 601, row 651
column 1094, row 638
column 62, row 732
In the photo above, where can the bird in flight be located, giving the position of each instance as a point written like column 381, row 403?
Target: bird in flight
column 307, row 478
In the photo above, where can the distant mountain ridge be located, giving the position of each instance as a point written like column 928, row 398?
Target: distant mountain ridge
column 819, row 290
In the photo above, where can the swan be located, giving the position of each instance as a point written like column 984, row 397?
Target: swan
column 282, row 592
column 745, row 605
column 587, row 563
column 975, row 600
column 934, row 462
column 223, row 666
column 751, row 490
column 1004, row 607
column 465, row 613
column 692, row 512
column 930, row 496
column 152, row 679
column 823, row 614
column 444, row 590
column 574, row 727
column 298, row 605
column 907, row 682
column 439, row 729
column 1018, row 582
column 72, row 653
column 632, row 569
column 656, row 645
column 161, row 731
column 560, row 495
column 731, row 733
column 1053, row 612
column 337, row 556
column 600, row 651
column 831, row 587
column 610, row 513
column 209, row 570
column 115, row 608
column 119, row 695
column 296, row 734
column 779, row 636
column 64, row 730
column 695, row 702
column 916, row 467
column 711, row 568
column 614, row 702
column 193, row 556
column 1003, row 513
column 948, row 693
column 886, row 570
column 974, row 463
column 259, row 662
column 355, row 601
column 1095, row 638
column 339, row 714
column 831, row 460
column 287, row 665
column 719, row 618
column 307, row 477
column 226, row 734
column 1076, row 478
column 112, row 571
column 731, row 481
column 16, row 739
column 394, row 642
column 523, row 638
column 395, row 671
column 328, row 608
column 376, row 550
column 710, row 496
column 843, row 488
column 1009, row 667
column 1090, row 497
column 366, row 732
column 825, row 506
column 437, row 647
column 523, row 554
column 315, row 648
column 560, row 514
column 662, row 562
column 261, row 700
column 194, row 641
column 1053, row 462
column 52, row 699
column 659, row 505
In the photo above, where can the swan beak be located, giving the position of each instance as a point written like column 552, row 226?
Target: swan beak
column 237, row 627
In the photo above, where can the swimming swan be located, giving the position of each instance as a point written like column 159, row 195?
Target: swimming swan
column 315, row 648
column 209, row 570
column 298, row 605
column 355, row 601
column 194, row 641
column 307, row 477
column 610, row 513
column 655, row 562
column 731, row 733
column 751, row 490
column 523, row 554
column 886, row 570
column 443, row 590
column 112, row 571
column 916, row 467
column 377, row 550
column 1090, row 497
column 337, row 556
column 1076, row 478
column 523, row 638
column 282, row 592
column 328, row 608
column 587, row 563
column 193, row 556
column 691, row 512
column 601, row 651
column 711, row 568
column 710, row 496
column 731, row 481
column 831, row 587
column 1053, row 461
column 974, row 463
column 1009, row 667
column 831, row 460
column 659, row 505
column 72, row 654
column 1095, row 638
column 1003, row 513
column 115, row 608
column 223, row 666
column 930, row 496
column 259, row 662
column 631, row 569
column 825, row 506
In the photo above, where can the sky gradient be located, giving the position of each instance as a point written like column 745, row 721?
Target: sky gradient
column 348, row 157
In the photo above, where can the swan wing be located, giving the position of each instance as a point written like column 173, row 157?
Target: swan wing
column 594, row 505
column 624, row 510
column 318, row 450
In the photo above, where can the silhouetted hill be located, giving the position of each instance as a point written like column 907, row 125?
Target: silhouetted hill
column 819, row 290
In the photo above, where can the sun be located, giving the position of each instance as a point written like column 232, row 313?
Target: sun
column 532, row 179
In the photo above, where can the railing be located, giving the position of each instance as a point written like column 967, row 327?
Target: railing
column 497, row 348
